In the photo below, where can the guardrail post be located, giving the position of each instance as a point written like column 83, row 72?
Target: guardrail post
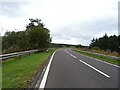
column 47, row 50
column 20, row 56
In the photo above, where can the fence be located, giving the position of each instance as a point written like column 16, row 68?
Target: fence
column 6, row 56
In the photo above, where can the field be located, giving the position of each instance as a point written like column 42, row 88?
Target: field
column 18, row 71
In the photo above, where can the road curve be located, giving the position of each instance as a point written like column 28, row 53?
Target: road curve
column 69, row 69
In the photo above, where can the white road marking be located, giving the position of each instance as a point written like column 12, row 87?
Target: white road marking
column 67, row 51
column 44, row 69
column 90, row 66
column 40, row 76
column 100, row 60
column 107, row 63
column 72, row 55
column 43, row 82
column 95, row 69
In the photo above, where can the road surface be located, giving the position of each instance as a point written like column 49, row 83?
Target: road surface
column 69, row 69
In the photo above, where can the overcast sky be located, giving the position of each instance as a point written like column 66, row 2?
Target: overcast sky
column 69, row 21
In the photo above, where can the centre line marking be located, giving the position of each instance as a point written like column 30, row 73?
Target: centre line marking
column 72, row 55
column 66, row 51
column 95, row 69
column 91, row 66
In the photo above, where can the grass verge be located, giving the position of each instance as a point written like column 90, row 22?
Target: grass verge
column 17, row 71
column 100, row 51
column 114, row 61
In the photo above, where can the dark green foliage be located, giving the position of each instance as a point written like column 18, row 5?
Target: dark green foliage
column 56, row 45
column 34, row 37
column 78, row 46
column 111, row 43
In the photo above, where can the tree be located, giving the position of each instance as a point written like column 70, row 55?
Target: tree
column 39, row 36
column 33, row 21
column 34, row 37
column 107, row 43
column 78, row 46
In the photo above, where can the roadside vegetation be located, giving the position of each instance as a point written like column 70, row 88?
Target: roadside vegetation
column 17, row 72
column 109, row 45
column 114, row 61
column 35, row 36
column 98, row 50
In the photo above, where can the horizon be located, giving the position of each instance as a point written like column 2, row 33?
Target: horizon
column 70, row 22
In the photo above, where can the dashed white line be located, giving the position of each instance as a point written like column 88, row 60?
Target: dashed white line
column 90, row 65
column 67, row 51
column 100, row 60
column 43, row 82
column 72, row 55
column 95, row 69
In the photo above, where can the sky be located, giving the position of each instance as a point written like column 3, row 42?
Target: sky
column 69, row 21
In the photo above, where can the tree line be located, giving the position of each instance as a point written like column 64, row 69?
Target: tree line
column 35, row 36
column 111, row 43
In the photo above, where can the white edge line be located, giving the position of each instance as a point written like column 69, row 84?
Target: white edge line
column 41, row 75
column 95, row 69
column 101, row 61
column 43, row 82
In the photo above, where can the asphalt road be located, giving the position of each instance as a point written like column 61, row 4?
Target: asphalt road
column 69, row 69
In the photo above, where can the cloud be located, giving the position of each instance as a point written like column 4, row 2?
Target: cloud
column 12, row 9
column 83, row 32
column 70, row 21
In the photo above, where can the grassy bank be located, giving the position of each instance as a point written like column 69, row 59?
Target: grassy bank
column 17, row 71
column 114, row 61
column 100, row 51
